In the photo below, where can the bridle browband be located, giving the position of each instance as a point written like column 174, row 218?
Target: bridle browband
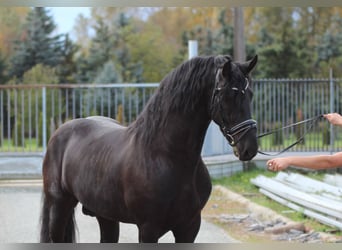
column 240, row 129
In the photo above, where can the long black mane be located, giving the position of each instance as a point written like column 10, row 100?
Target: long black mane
column 180, row 92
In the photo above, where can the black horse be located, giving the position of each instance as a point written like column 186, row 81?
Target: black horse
column 150, row 173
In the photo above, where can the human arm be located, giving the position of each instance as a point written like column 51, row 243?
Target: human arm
column 311, row 162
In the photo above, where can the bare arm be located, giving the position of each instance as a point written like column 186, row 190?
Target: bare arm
column 311, row 162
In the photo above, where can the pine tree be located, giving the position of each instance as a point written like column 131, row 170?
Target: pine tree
column 100, row 52
column 329, row 49
column 101, row 49
column 283, row 49
column 108, row 74
column 226, row 34
column 38, row 44
column 212, row 41
column 3, row 68
column 129, row 70
column 111, row 43
column 66, row 70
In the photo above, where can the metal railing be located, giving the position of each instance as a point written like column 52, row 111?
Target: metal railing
column 30, row 113
column 280, row 102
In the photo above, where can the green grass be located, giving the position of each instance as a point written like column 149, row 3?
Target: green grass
column 240, row 183
column 312, row 141
column 30, row 145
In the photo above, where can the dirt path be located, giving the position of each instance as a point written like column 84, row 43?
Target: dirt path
column 249, row 222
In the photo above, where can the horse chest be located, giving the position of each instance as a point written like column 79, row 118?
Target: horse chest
column 184, row 207
column 188, row 200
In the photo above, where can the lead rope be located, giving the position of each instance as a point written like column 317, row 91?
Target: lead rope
column 312, row 120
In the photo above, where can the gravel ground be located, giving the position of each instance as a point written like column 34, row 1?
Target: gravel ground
column 249, row 222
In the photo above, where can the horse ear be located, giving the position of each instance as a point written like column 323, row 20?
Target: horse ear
column 248, row 66
column 227, row 68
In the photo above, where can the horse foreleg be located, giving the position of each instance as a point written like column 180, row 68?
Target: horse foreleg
column 109, row 230
column 149, row 233
column 187, row 233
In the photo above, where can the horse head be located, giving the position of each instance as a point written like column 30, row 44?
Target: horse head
column 231, row 105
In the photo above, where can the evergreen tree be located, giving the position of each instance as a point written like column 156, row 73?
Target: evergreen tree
column 38, row 45
column 130, row 71
column 100, row 52
column 82, row 69
column 225, row 35
column 108, row 74
column 101, row 48
column 111, row 43
column 66, row 70
column 283, row 50
column 213, row 41
column 329, row 50
column 3, row 68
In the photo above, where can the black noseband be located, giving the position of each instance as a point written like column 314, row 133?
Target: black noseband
column 238, row 130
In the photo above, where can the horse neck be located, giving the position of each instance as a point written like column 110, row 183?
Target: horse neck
column 177, row 116
column 185, row 132
column 174, row 130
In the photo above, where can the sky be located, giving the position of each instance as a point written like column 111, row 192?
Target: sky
column 65, row 17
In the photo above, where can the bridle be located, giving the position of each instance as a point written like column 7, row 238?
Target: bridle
column 312, row 122
column 237, row 132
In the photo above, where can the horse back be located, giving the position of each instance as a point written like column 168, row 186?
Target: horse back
column 75, row 145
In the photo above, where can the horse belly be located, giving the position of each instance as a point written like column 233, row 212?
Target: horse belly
column 102, row 199
column 95, row 184
column 111, row 209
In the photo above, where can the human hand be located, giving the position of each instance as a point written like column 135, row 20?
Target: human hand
column 277, row 164
column 334, row 118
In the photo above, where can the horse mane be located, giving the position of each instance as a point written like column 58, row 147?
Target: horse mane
column 179, row 92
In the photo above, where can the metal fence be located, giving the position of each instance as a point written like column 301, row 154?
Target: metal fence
column 280, row 102
column 30, row 113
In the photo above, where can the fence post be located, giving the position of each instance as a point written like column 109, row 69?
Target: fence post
column 332, row 109
column 192, row 48
column 44, row 118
